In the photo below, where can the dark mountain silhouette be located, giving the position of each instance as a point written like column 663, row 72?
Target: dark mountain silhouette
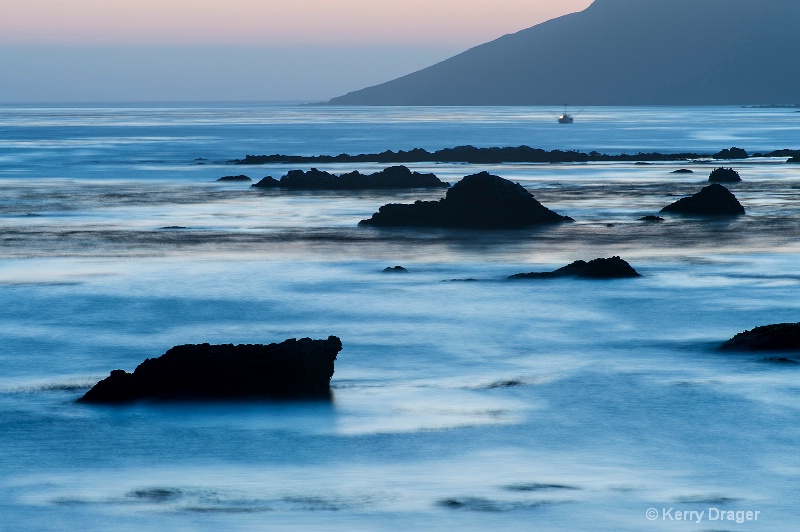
column 621, row 52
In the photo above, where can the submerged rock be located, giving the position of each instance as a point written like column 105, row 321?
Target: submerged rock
column 794, row 160
column 392, row 177
column 713, row 200
column 610, row 268
column 234, row 178
column 682, row 171
column 292, row 369
column 478, row 201
column 777, row 337
column 651, row 218
column 395, row 269
column 724, row 175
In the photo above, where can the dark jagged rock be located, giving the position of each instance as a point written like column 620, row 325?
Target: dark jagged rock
column 392, row 177
column 293, row 369
column 733, row 153
column 682, row 171
column 778, row 337
column 267, row 182
column 651, row 218
column 724, row 175
column 611, row 268
column 794, row 160
column 395, row 269
column 234, row 178
column 478, row 201
column 713, row 200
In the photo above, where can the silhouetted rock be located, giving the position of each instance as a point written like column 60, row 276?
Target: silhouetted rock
column 611, row 268
column 234, row 178
column 733, row 153
column 724, row 175
column 778, row 337
column 651, row 218
column 291, row 369
column 479, row 201
column 395, row 269
column 794, row 160
column 682, row 171
column 713, row 200
column 267, row 182
column 392, row 177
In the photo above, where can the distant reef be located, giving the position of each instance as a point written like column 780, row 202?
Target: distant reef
column 392, row 177
column 496, row 155
column 478, row 201
column 293, row 369
column 609, row 268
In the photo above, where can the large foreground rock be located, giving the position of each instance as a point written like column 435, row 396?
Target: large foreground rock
column 392, row 177
column 478, row 201
column 713, row 200
column 610, row 268
column 778, row 337
column 292, row 369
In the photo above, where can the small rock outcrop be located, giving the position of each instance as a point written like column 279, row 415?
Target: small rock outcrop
column 610, row 268
column 478, row 201
column 778, row 337
column 293, row 369
column 651, row 218
column 234, row 178
column 389, row 178
column 724, row 175
column 733, row 153
column 395, row 269
column 713, row 200
column 794, row 160
column 682, row 171
column 267, row 182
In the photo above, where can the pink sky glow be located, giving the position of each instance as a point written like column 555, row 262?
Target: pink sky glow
column 270, row 22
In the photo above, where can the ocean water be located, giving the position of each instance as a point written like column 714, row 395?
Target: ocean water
column 458, row 405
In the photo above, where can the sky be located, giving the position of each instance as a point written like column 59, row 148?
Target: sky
column 238, row 50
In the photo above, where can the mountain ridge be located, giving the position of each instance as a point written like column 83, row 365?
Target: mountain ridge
column 620, row 52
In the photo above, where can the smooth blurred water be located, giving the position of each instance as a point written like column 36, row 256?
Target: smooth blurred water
column 481, row 405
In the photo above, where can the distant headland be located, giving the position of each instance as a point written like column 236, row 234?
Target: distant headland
column 621, row 52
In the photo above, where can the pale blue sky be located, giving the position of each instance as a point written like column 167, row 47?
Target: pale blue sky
column 213, row 50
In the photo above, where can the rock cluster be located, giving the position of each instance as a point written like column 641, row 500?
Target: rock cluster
column 392, row 177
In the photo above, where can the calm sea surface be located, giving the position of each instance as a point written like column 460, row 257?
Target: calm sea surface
column 485, row 405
